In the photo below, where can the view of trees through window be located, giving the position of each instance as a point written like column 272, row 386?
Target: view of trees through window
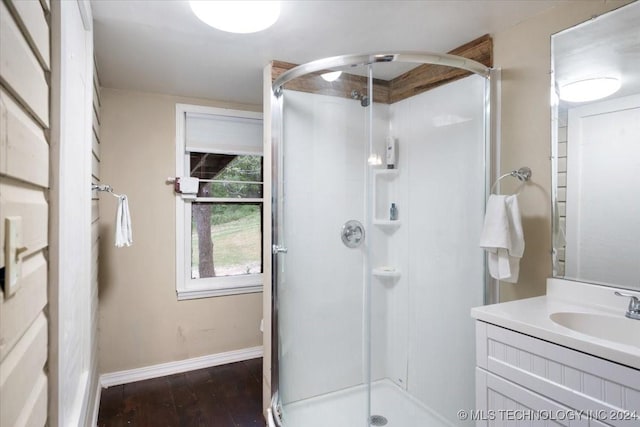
column 226, row 234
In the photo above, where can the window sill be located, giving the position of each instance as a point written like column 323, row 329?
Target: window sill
column 207, row 293
column 218, row 287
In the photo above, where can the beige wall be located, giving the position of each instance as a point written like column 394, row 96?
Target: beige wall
column 523, row 52
column 141, row 321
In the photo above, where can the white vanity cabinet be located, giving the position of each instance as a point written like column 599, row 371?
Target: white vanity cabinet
column 524, row 381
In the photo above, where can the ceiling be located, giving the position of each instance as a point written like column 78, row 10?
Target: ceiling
column 160, row 46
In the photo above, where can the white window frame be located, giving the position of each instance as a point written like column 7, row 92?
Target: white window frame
column 186, row 287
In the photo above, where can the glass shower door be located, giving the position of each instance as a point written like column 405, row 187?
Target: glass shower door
column 322, row 278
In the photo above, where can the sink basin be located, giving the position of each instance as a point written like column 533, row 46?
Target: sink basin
column 618, row 329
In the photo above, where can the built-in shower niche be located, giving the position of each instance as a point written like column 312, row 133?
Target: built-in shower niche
column 384, row 194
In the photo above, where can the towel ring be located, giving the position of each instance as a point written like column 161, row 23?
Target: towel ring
column 523, row 174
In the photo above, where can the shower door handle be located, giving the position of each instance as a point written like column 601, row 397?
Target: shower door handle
column 277, row 249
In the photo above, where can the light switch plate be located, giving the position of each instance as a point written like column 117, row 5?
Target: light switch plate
column 13, row 254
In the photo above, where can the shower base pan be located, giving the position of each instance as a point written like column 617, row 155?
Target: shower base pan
column 346, row 408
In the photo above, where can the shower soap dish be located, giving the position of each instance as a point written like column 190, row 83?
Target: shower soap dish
column 386, row 271
column 386, row 223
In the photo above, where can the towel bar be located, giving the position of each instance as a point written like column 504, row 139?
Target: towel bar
column 104, row 187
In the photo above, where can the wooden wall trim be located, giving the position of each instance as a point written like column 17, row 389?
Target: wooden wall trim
column 413, row 82
column 428, row 76
column 313, row 83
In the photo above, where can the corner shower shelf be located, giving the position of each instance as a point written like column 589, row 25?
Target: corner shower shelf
column 386, row 272
column 385, row 223
column 386, row 173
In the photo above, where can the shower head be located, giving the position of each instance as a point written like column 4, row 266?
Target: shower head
column 364, row 99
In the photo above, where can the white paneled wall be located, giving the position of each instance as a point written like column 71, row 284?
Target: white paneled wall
column 91, row 403
column 73, row 291
column 561, row 190
column 24, row 182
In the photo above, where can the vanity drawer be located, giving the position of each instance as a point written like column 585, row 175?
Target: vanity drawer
column 574, row 379
column 505, row 403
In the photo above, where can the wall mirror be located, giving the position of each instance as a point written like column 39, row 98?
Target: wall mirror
column 595, row 101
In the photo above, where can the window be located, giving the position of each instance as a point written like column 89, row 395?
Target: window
column 219, row 230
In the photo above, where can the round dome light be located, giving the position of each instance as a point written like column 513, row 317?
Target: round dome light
column 589, row 89
column 237, row 16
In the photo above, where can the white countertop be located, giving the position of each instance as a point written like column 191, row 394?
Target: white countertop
column 531, row 317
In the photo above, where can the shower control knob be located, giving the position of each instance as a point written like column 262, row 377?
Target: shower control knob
column 352, row 234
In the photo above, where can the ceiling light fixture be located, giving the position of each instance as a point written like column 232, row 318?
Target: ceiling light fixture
column 331, row 76
column 589, row 89
column 237, row 16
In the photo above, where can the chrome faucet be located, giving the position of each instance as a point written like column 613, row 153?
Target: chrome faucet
column 633, row 312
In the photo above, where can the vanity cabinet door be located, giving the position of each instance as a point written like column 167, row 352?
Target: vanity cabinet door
column 607, row 390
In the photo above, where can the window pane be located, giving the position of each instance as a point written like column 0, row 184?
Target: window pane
column 226, row 167
column 231, row 190
column 226, row 239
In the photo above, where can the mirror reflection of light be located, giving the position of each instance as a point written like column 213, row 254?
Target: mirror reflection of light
column 589, row 89
column 331, row 76
column 237, row 16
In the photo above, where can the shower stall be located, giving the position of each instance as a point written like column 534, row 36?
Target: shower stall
column 371, row 302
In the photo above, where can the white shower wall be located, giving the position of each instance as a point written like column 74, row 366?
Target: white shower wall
column 422, row 335
column 441, row 202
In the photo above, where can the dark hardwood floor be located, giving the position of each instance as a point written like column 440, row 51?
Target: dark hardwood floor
column 222, row 396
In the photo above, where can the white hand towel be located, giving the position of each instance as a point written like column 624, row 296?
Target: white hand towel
column 123, row 223
column 502, row 237
column 515, row 227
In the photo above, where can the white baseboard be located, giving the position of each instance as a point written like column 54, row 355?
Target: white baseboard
column 170, row 368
